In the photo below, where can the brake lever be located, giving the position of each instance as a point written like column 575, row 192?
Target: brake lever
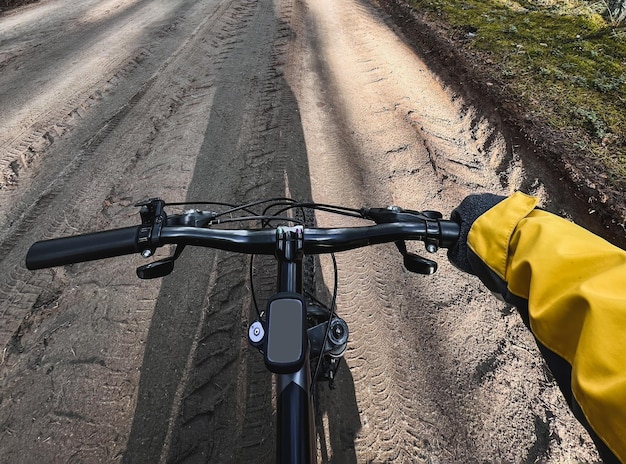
column 419, row 265
column 160, row 268
column 412, row 262
column 416, row 263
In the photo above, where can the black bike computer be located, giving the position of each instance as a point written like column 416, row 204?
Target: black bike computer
column 285, row 342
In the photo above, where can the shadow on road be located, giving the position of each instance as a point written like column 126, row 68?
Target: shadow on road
column 203, row 396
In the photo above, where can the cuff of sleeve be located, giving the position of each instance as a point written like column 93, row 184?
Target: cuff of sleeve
column 490, row 234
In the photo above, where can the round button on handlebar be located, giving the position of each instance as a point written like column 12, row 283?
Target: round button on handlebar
column 256, row 332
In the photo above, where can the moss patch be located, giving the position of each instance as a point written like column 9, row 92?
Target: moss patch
column 564, row 61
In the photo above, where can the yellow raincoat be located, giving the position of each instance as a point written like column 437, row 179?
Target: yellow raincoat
column 573, row 286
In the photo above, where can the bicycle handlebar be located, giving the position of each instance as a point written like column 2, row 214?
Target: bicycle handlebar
column 79, row 248
column 118, row 242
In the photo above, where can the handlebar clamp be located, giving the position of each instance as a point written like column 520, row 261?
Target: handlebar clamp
column 290, row 242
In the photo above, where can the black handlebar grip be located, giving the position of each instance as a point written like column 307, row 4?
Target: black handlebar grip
column 450, row 232
column 79, row 248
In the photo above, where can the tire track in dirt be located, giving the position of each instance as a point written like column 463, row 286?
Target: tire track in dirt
column 86, row 158
column 277, row 148
column 250, row 151
column 51, row 122
column 380, row 129
column 372, row 360
column 94, row 196
column 383, row 436
column 35, row 124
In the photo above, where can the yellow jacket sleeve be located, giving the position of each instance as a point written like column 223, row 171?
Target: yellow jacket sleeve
column 574, row 284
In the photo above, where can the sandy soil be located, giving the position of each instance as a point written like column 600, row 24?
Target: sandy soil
column 108, row 102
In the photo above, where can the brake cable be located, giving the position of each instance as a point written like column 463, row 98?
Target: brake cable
column 331, row 313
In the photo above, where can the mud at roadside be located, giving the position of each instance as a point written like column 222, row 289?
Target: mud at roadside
column 236, row 101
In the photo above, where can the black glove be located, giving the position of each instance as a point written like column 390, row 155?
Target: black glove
column 465, row 214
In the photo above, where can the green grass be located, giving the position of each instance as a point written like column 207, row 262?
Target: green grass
column 563, row 60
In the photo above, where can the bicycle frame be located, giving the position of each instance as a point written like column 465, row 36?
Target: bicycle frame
column 295, row 428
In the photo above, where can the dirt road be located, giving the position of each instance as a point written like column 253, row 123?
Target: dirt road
column 106, row 103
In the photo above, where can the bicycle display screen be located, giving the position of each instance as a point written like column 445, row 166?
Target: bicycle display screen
column 285, row 342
